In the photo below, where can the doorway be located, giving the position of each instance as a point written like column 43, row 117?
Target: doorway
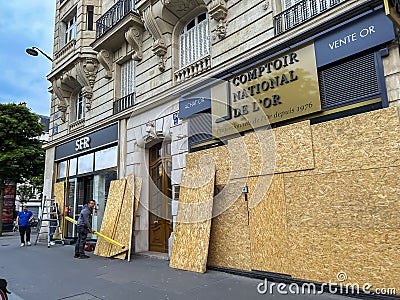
column 160, row 218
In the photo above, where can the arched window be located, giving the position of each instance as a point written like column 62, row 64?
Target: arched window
column 194, row 40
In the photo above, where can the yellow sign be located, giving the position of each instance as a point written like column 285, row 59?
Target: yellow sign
column 392, row 10
column 283, row 88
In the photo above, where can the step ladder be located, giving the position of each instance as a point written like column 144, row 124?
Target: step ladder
column 49, row 220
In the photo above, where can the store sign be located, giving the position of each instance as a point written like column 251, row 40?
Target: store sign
column 373, row 30
column 9, row 203
column 283, row 88
column 194, row 102
column 392, row 10
column 82, row 143
column 88, row 142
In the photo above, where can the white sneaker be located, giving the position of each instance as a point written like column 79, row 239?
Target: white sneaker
column 52, row 243
column 23, row 244
column 28, row 243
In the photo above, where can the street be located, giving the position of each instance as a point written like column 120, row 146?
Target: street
column 37, row 272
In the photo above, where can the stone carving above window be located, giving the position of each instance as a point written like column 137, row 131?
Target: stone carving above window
column 159, row 44
column 218, row 10
column 104, row 57
column 79, row 77
column 134, row 38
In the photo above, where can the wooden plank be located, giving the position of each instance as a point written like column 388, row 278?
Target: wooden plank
column 268, row 230
column 112, row 210
column 230, row 236
column 192, row 231
column 123, row 226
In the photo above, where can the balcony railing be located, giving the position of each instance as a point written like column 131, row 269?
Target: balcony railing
column 113, row 15
column 193, row 69
column 302, row 12
column 124, row 103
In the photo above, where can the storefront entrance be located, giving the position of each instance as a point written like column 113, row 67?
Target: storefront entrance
column 160, row 218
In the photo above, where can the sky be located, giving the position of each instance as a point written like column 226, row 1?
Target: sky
column 23, row 24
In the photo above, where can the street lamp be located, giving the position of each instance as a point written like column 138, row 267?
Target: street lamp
column 34, row 52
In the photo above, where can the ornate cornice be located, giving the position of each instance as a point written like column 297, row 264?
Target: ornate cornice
column 80, row 77
column 134, row 37
column 218, row 10
column 104, row 57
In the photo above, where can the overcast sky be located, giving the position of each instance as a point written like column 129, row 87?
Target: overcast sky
column 26, row 23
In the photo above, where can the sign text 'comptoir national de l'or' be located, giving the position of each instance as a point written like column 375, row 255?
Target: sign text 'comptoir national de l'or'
column 283, row 88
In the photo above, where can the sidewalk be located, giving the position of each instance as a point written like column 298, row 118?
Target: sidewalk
column 39, row 273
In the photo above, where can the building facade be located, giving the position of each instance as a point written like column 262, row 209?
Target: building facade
column 133, row 83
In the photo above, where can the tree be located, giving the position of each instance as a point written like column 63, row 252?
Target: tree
column 21, row 152
column 25, row 192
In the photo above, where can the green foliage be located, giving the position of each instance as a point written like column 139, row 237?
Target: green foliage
column 25, row 192
column 21, row 153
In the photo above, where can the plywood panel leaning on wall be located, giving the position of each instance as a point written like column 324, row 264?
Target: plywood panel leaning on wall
column 123, row 226
column 112, row 210
column 192, row 231
column 125, row 236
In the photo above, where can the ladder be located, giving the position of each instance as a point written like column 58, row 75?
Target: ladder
column 49, row 219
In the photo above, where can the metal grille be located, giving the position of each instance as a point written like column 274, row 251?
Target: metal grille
column 349, row 82
column 301, row 12
column 200, row 128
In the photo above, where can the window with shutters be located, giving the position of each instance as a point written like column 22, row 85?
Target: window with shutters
column 127, row 78
column 194, row 41
column 352, row 81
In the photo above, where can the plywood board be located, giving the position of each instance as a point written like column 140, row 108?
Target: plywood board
column 230, row 236
column 365, row 256
column 363, row 141
column 136, row 185
column 123, row 227
column 112, row 210
column 59, row 194
column 268, row 231
column 365, row 199
column 192, row 231
column 266, row 151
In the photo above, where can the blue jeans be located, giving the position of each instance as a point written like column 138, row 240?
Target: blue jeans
column 52, row 229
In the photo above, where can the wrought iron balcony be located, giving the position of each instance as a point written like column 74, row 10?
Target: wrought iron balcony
column 302, row 12
column 124, row 103
column 116, row 13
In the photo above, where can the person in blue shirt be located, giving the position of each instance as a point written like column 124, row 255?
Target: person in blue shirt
column 24, row 220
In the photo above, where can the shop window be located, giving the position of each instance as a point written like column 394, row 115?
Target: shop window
column 68, row 30
column 62, row 169
column 78, row 107
column 105, row 159
column 194, row 41
column 72, row 167
column 85, row 163
column 127, row 78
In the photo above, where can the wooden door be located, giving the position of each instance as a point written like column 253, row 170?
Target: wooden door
column 160, row 219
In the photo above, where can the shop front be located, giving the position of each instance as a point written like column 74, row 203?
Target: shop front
column 86, row 166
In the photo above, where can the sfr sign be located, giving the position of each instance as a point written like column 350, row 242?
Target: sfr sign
column 82, row 143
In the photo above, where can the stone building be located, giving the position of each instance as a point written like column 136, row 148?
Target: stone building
column 132, row 83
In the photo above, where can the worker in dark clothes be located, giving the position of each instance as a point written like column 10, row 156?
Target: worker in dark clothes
column 84, row 227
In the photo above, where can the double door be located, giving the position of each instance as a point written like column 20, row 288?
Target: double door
column 160, row 218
